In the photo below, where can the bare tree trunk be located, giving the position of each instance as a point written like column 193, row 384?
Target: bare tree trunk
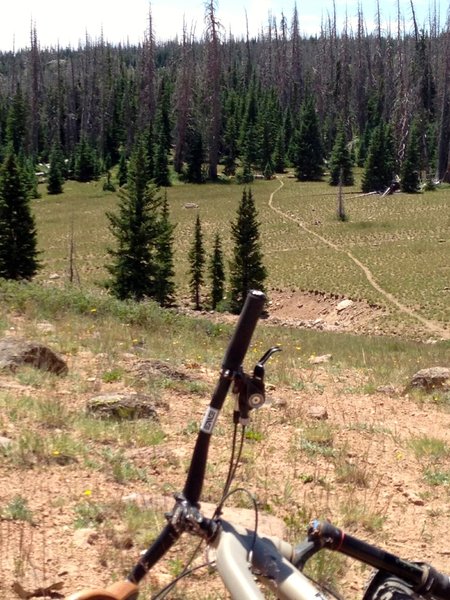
column 214, row 74
column 183, row 101
column 148, row 78
column 296, row 57
column 340, row 201
column 281, row 63
column 35, row 93
column 72, row 269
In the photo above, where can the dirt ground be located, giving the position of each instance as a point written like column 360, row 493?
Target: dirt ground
column 323, row 311
column 329, row 312
column 366, row 434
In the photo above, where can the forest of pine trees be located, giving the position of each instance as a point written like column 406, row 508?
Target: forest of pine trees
column 220, row 103
column 197, row 110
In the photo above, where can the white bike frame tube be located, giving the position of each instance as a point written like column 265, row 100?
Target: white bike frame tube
column 233, row 547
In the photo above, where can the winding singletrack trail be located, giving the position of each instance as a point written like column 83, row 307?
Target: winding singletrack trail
column 432, row 326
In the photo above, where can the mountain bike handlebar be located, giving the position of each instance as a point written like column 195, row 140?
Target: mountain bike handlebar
column 275, row 562
column 422, row 577
column 232, row 362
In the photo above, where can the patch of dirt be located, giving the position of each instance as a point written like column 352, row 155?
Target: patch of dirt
column 311, row 310
column 328, row 312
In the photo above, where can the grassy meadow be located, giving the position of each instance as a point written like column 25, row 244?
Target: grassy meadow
column 402, row 239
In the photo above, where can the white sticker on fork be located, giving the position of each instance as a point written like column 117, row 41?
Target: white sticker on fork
column 209, row 420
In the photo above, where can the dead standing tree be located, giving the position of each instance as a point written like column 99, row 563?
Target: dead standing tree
column 213, row 63
column 147, row 78
column 340, row 200
column 183, row 94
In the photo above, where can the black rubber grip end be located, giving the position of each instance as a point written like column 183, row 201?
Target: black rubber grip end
column 243, row 332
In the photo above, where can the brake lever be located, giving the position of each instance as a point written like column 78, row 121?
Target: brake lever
column 250, row 390
column 258, row 371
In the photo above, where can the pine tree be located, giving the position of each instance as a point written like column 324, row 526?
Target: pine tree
column 108, row 185
column 148, row 139
column 28, row 168
column 136, row 228
column 248, row 140
column 307, row 145
column 217, row 273
column 194, row 156
column 268, row 170
column 197, row 262
column 214, row 71
column 340, row 161
column 247, row 270
column 231, row 134
column 161, row 175
column 410, row 171
column 17, row 123
column 380, row 162
column 165, row 288
column 268, row 126
column 18, row 244
column 163, row 125
column 86, row 163
column 55, row 177
column 122, row 173
column 279, row 155
column 162, row 144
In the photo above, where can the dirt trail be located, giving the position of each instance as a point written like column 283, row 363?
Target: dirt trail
column 432, row 326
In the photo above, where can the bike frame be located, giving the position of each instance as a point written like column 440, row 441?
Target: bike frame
column 238, row 549
column 241, row 557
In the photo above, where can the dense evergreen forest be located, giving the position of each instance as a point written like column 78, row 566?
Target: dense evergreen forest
column 235, row 106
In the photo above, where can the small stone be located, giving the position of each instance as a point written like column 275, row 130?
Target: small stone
column 5, row 442
column 415, row 498
column 389, row 390
column 85, row 537
column 344, row 305
column 319, row 360
column 318, row 412
column 45, row 327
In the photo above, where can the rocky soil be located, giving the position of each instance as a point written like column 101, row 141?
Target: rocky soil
column 326, row 449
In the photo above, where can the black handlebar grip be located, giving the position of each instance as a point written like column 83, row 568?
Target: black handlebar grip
column 438, row 584
column 239, row 343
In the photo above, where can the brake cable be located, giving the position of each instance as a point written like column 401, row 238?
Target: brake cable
column 249, row 394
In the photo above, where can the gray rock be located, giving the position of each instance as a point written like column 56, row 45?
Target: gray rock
column 432, row 378
column 16, row 352
column 318, row 412
column 150, row 368
column 124, row 406
column 344, row 305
